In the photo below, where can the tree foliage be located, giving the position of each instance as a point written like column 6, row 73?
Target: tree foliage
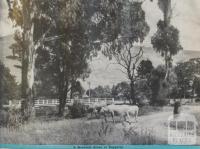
column 157, row 84
column 143, row 91
column 9, row 90
column 63, row 28
column 121, row 91
column 196, row 86
column 132, row 28
column 187, row 77
column 69, row 54
column 100, row 92
column 144, row 68
column 166, row 39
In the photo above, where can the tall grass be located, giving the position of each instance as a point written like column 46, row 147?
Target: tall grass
column 76, row 132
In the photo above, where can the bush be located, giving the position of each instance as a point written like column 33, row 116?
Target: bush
column 10, row 89
column 46, row 111
column 10, row 118
column 14, row 118
column 77, row 110
column 3, row 118
column 197, row 100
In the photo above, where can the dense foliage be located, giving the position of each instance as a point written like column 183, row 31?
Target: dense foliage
column 188, row 78
column 9, row 90
column 100, row 92
column 144, row 68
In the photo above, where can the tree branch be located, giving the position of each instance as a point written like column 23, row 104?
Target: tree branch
column 42, row 39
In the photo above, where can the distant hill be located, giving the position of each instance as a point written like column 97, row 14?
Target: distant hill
column 102, row 71
column 182, row 56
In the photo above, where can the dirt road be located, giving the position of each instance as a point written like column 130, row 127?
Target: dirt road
column 157, row 123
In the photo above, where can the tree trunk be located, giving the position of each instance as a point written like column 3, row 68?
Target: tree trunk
column 133, row 101
column 184, row 93
column 28, row 67
column 28, row 63
column 166, row 65
column 62, row 99
column 165, row 6
column 63, row 89
column 72, row 89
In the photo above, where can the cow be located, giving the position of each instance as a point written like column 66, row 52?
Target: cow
column 123, row 110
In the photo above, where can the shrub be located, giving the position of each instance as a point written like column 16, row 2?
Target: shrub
column 46, row 111
column 10, row 118
column 14, row 118
column 77, row 110
column 9, row 89
column 3, row 118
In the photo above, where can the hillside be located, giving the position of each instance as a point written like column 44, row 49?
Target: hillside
column 105, row 72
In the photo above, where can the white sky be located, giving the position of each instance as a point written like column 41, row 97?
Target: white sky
column 5, row 23
column 186, row 17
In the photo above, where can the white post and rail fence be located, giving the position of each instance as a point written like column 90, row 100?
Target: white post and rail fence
column 87, row 101
column 55, row 102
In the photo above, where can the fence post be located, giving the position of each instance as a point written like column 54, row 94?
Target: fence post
column 10, row 103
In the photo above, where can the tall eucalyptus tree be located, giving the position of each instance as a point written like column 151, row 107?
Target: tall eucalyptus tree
column 166, row 40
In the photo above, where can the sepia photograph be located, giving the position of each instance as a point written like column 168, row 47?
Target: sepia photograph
column 100, row 72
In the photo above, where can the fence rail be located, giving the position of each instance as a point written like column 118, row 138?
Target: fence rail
column 46, row 102
column 88, row 101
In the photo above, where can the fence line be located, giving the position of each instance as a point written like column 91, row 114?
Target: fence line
column 87, row 101
column 55, row 102
column 46, row 102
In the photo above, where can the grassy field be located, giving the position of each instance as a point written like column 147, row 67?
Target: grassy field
column 78, row 131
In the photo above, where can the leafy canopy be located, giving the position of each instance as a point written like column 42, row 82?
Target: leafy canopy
column 166, row 39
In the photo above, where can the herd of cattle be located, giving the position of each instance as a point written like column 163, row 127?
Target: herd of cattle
column 124, row 111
